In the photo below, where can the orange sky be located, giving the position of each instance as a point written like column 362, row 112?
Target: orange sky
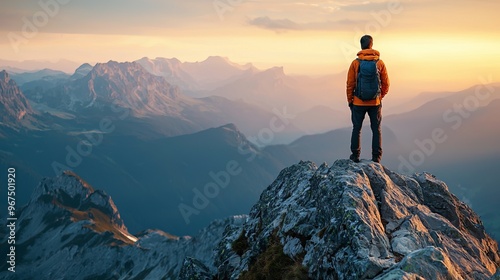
column 429, row 45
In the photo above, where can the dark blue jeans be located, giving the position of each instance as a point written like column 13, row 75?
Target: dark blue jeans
column 357, row 116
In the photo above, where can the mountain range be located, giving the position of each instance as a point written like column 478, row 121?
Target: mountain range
column 128, row 88
column 347, row 221
column 209, row 74
column 64, row 65
column 126, row 128
column 269, row 88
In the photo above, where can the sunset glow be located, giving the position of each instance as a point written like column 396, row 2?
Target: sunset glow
column 436, row 45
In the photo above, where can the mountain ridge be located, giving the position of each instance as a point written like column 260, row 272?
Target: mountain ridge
column 15, row 108
column 128, row 89
column 194, row 76
column 347, row 221
column 361, row 221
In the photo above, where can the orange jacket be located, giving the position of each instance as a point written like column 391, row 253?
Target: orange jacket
column 352, row 74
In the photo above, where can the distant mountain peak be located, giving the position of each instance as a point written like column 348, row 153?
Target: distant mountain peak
column 75, row 232
column 72, row 194
column 4, row 76
column 229, row 134
column 127, row 85
column 217, row 58
column 82, row 71
column 222, row 60
column 207, row 74
column 277, row 71
column 230, row 127
column 14, row 107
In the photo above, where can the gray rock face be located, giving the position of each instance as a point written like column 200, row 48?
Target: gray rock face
column 14, row 107
column 194, row 269
column 361, row 221
column 71, row 231
column 348, row 221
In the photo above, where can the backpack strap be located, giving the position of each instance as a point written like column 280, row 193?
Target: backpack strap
column 359, row 59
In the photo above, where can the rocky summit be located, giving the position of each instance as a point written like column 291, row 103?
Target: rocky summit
column 347, row 221
column 357, row 221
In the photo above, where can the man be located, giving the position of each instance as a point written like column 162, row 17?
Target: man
column 360, row 107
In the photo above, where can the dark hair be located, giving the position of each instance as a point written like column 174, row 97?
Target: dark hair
column 366, row 41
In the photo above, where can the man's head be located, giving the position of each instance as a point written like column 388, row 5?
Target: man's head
column 366, row 42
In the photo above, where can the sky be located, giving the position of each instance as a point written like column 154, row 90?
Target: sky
column 429, row 45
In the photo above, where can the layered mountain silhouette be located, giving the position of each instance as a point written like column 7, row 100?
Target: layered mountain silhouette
column 206, row 75
column 158, row 174
column 128, row 90
column 270, row 88
column 143, row 110
column 347, row 221
column 125, row 85
column 82, row 71
column 44, row 74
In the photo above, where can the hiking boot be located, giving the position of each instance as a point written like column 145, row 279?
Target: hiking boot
column 376, row 159
column 354, row 158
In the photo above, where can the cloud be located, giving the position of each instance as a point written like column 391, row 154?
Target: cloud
column 281, row 25
column 274, row 24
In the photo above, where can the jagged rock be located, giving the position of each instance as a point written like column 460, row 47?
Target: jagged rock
column 81, row 71
column 14, row 107
column 427, row 263
column 68, row 230
column 361, row 221
column 348, row 221
column 193, row 269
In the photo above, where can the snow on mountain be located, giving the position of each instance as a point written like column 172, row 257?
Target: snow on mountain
column 347, row 221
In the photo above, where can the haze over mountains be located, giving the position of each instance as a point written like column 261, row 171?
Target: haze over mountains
column 155, row 131
column 270, row 88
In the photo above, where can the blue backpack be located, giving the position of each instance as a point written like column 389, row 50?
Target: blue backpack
column 368, row 80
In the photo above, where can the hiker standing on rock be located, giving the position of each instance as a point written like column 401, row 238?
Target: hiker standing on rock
column 367, row 84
